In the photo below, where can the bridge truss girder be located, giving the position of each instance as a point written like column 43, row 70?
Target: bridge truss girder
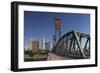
column 71, row 45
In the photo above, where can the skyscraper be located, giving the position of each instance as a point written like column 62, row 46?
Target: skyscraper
column 48, row 45
column 35, row 46
column 30, row 44
column 57, row 29
column 57, row 33
column 42, row 44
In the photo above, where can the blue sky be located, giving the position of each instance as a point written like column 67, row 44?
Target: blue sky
column 38, row 25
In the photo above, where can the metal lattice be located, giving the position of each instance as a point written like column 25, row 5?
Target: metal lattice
column 73, row 44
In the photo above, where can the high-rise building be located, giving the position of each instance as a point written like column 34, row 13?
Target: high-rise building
column 30, row 44
column 57, row 29
column 42, row 44
column 35, row 46
column 54, row 40
column 57, row 33
column 48, row 45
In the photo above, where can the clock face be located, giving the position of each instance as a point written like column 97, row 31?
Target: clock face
column 58, row 24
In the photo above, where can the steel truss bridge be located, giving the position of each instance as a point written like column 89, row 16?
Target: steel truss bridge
column 74, row 45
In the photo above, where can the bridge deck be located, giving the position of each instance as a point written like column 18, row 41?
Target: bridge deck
column 53, row 56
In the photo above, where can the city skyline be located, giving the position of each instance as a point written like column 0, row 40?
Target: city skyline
column 69, row 21
column 35, row 45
